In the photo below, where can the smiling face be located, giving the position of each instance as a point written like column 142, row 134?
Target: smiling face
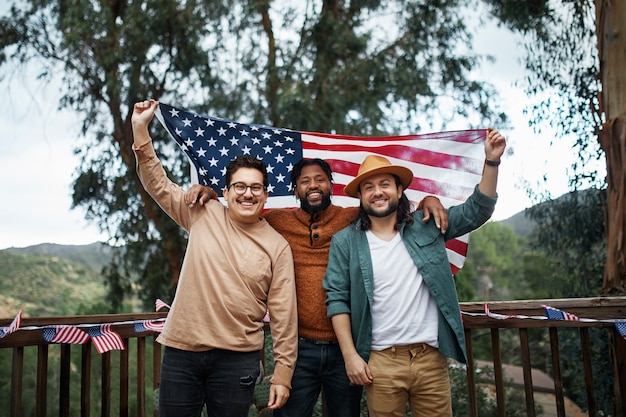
column 380, row 195
column 313, row 189
column 245, row 208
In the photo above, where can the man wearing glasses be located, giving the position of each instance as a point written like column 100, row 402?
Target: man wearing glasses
column 236, row 265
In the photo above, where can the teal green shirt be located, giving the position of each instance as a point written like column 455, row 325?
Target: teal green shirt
column 349, row 276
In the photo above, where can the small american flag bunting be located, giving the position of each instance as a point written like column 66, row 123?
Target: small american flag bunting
column 160, row 304
column 149, row 326
column 15, row 324
column 64, row 334
column 105, row 339
column 556, row 314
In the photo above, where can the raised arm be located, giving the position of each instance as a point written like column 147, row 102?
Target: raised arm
column 494, row 149
column 143, row 112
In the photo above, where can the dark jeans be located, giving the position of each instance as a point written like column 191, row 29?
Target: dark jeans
column 321, row 367
column 221, row 379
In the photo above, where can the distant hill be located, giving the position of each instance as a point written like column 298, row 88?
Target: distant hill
column 94, row 255
column 52, row 280
column 522, row 225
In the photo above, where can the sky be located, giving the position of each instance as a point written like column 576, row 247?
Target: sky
column 37, row 165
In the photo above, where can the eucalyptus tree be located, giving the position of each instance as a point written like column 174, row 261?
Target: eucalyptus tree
column 576, row 53
column 359, row 67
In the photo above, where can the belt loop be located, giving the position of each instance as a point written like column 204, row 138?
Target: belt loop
column 393, row 352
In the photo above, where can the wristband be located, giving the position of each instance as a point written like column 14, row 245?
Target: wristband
column 492, row 163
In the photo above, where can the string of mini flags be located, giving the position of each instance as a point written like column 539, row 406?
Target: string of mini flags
column 552, row 313
column 101, row 335
column 105, row 339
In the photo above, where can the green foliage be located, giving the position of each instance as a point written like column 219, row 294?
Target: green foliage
column 570, row 232
column 326, row 67
column 486, row 403
column 562, row 74
column 493, row 264
column 47, row 285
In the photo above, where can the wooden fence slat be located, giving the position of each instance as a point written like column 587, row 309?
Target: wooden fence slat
column 41, row 395
column 64, row 380
column 586, row 353
column 556, row 372
column 617, row 351
column 124, row 376
column 497, row 372
column 17, row 375
column 527, row 370
column 85, row 380
column 471, row 375
column 156, row 369
column 141, row 377
column 106, row 384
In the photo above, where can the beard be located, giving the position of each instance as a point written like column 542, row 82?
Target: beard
column 312, row 209
column 391, row 209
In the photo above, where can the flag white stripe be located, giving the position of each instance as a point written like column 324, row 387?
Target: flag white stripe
column 455, row 148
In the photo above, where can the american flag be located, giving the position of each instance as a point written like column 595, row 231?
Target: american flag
column 621, row 328
column 446, row 164
column 556, row 314
column 15, row 324
column 149, row 326
column 64, row 334
column 159, row 304
column 105, row 339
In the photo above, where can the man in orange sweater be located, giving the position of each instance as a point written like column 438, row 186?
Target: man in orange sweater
column 309, row 229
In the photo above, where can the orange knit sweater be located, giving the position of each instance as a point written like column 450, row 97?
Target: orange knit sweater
column 309, row 237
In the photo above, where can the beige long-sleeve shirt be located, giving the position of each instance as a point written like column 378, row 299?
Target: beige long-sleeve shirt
column 231, row 273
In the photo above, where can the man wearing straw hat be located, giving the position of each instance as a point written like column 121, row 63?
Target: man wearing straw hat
column 390, row 292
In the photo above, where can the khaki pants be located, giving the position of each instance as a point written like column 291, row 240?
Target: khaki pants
column 417, row 374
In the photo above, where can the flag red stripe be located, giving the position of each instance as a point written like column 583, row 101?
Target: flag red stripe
column 419, row 156
column 441, row 189
column 70, row 334
column 465, row 136
column 457, row 245
column 424, row 185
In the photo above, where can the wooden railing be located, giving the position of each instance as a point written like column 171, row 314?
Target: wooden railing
column 595, row 313
column 91, row 384
column 65, row 380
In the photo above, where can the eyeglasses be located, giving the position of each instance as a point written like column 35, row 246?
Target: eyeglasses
column 240, row 188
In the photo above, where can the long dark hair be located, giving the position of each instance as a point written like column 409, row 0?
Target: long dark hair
column 403, row 213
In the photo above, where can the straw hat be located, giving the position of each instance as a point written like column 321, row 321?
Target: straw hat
column 373, row 165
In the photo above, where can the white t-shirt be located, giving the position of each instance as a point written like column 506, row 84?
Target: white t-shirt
column 403, row 311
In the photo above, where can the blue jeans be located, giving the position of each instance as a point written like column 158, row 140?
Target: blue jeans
column 220, row 379
column 320, row 366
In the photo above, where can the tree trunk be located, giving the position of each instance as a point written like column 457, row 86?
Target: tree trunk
column 610, row 18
